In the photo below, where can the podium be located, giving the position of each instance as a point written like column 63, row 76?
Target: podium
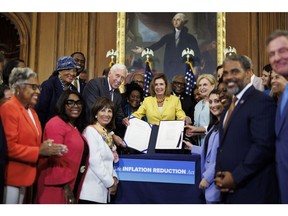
column 146, row 190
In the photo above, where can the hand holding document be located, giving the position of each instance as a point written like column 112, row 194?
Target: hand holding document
column 137, row 134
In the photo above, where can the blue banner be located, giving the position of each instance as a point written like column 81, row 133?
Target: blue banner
column 165, row 171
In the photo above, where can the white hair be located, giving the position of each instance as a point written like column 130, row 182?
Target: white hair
column 182, row 16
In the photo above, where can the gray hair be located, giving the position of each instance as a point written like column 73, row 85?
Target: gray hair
column 117, row 67
column 19, row 76
column 178, row 76
column 276, row 34
column 250, row 61
column 243, row 60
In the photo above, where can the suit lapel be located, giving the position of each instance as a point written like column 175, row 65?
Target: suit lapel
column 280, row 119
column 155, row 105
column 106, row 87
column 165, row 104
column 239, row 105
column 28, row 119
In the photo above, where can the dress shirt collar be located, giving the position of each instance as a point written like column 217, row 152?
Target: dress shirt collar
column 240, row 94
column 110, row 87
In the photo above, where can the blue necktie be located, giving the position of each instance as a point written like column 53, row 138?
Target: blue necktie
column 284, row 99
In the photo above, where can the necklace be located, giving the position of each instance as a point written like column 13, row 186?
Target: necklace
column 160, row 100
column 107, row 137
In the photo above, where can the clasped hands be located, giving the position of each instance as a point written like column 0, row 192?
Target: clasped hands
column 49, row 148
column 224, row 182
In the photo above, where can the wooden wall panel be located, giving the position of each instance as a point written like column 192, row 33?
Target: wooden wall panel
column 46, row 45
column 69, row 32
column 247, row 32
column 105, row 39
column 47, row 36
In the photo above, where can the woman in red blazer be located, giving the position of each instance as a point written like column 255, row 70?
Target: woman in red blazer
column 23, row 135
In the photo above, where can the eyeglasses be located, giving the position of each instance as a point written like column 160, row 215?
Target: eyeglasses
column 139, row 81
column 34, row 86
column 71, row 103
column 179, row 83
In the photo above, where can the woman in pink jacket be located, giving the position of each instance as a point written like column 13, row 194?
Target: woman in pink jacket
column 60, row 177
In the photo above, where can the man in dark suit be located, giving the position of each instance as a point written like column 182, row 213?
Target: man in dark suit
column 175, row 43
column 178, row 89
column 277, row 49
column 245, row 164
column 80, row 61
column 108, row 87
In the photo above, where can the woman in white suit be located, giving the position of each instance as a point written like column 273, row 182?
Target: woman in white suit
column 100, row 180
column 209, row 148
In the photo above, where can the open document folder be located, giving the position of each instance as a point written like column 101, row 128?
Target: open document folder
column 169, row 136
column 138, row 134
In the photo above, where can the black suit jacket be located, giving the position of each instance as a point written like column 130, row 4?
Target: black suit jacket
column 247, row 149
column 98, row 87
column 50, row 93
column 187, row 105
column 173, row 62
column 82, row 83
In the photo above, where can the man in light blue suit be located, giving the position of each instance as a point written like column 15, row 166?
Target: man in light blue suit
column 277, row 49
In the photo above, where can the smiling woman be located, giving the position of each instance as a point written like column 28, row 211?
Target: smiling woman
column 60, row 177
column 23, row 135
column 53, row 87
column 101, row 179
column 161, row 105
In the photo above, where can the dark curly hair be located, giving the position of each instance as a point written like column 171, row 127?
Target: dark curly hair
column 102, row 102
column 132, row 87
column 61, row 111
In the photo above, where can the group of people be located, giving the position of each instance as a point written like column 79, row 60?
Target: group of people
column 244, row 152
column 238, row 130
column 55, row 162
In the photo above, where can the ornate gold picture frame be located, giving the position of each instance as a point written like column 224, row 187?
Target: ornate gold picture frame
column 218, row 37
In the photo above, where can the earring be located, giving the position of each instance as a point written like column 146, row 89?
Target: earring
column 95, row 116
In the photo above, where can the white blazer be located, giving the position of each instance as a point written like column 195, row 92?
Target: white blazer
column 100, row 172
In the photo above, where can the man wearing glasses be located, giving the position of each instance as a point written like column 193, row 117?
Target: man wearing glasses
column 178, row 89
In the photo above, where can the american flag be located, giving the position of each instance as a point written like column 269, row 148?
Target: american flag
column 190, row 78
column 147, row 78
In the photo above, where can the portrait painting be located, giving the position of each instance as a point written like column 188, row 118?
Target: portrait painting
column 158, row 32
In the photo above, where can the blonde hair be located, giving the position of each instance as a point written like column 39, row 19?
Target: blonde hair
column 209, row 77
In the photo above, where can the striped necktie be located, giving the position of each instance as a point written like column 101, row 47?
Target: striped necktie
column 75, row 83
column 111, row 94
column 231, row 108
